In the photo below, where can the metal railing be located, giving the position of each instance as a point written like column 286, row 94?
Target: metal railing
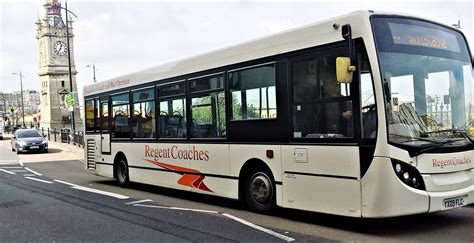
column 63, row 136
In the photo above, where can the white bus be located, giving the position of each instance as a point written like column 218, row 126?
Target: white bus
column 362, row 115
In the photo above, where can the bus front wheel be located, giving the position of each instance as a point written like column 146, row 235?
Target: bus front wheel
column 121, row 168
column 259, row 192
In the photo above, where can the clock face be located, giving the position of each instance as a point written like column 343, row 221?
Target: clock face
column 60, row 48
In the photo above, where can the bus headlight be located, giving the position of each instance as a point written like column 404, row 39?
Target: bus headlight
column 398, row 168
column 408, row 174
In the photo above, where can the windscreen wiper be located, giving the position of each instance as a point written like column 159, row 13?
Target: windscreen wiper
column 433, row 145
column 412, row 138
column 436, row 145
column 463, row 133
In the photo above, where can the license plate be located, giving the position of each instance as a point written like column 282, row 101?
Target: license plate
column 453, row 202
column 34, row 147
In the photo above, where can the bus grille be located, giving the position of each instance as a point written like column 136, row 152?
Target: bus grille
column 90, row 154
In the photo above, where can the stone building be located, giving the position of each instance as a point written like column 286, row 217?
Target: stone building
column 51, row 32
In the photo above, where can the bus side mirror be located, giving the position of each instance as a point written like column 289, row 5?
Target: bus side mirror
column 344, row 70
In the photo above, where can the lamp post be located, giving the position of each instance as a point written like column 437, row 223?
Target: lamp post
column 21, row 94
column 93, row 68
column 73, row 125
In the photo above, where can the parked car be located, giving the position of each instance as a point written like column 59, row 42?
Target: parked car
column 26, row 140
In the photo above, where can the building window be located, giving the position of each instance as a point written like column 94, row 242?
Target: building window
column 253, row 93
column 143, row 115
column 62, row 83
column 208, row 107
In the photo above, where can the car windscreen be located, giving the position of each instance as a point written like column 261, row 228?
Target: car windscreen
column 28, row 134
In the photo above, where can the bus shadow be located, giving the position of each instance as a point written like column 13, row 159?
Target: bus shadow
column 421, row 223
column 402, row 225
column 185, row 195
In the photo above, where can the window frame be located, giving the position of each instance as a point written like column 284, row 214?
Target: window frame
column 229, row 92
column 87, row 128
column 316, row 53
column 133, row 102
column 159, row 99
column 202, row 93
column 111, row 118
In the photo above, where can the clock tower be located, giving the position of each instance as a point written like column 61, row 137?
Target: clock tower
column 54, row 69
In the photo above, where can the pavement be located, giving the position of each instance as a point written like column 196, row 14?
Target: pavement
column 76, row 150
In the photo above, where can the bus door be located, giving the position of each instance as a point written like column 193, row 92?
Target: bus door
column 104, row 123
column 321, row 167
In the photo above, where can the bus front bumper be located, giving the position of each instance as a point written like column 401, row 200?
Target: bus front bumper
column 440, row 201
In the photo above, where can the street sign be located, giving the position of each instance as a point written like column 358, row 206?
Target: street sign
column 69, row 100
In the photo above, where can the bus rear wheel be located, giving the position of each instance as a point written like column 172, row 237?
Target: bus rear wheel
column 259, row 191
column 121, row 172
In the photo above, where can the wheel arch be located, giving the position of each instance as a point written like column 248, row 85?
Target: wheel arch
column 249, row 166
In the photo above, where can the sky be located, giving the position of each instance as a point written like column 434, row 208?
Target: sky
column 121, row 37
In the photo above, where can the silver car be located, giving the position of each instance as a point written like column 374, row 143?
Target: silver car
column 26, row 140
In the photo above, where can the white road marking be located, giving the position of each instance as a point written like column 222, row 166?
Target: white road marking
column 8, row 161
column 283, row 237
column 110, row 194
column 12, row 167
column 32, row 171
column 18, row 171
column 21, row 162
column 87, row 189
column 67, row 183
column 140, row 201
column 9, row 172
column 29, row 175
column 175, row 208
column 36, row 179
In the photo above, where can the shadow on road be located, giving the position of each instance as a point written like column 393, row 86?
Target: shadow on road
column 381, row 227
column 53, row 150
column 185, row 195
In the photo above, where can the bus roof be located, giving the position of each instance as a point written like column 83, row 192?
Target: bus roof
column 294, row 39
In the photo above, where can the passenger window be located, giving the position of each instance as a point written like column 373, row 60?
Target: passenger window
column 120, row 116
column 253, row 93
column 97, row 114
column 172, row 117
column 322, row 107
column 143, row 116
column 208, row 107
column 104, row 116
column 90, row 115
column 369, row 116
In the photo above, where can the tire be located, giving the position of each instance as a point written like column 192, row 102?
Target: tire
column 121, row 172
column 13, row 150
column 17, row 151
column 259, row 191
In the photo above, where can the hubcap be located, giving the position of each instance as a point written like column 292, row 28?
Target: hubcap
column 261, row 188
